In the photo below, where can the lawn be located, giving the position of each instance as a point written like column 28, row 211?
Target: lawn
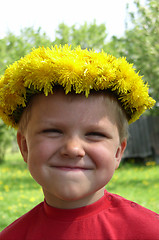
column 19, row 192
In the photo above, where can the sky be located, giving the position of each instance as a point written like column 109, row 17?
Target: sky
column 48, row 14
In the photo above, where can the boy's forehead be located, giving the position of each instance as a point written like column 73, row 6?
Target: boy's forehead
column 60, row 95
column 94, row 104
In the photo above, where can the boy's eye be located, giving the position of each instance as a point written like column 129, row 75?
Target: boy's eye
column 96, row 135
column 52, row 131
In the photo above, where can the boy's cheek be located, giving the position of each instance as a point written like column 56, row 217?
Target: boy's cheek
column 39, row 152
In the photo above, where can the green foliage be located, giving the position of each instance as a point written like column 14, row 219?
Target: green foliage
column 19, row 192
column 87, row 35
column 145, row 36
column 141, row 44
column 13, row 47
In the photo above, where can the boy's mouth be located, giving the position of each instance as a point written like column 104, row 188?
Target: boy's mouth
column 71, row 168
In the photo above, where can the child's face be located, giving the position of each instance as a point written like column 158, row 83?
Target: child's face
column 72, row 148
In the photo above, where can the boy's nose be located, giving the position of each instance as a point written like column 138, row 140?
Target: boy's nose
column 73, row 149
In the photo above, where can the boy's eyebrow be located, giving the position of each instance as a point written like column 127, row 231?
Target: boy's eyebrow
column 101, row 129
column 98, row 126
column 49, row 122
column 52, row 123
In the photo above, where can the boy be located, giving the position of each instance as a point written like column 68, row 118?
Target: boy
column 71, row 109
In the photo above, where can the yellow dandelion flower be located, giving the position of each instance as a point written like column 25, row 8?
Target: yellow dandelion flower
column 146, row 183
column 75, row 70
column 4, row 170
column 10, row 207
column 151, row 163
column 6, row 188
column 32, row 199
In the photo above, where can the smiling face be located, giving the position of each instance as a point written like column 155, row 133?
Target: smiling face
column 72, row 147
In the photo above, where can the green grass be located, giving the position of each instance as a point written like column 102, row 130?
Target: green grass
column 19, row 192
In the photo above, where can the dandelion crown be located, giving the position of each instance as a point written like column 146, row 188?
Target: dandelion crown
column 75, row 70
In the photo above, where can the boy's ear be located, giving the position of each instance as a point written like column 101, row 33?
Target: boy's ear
column 119, row 152
column 22, row 143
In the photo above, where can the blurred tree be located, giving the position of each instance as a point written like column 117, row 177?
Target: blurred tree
column 62, row 35
column 13, row 47
column 140, row 44
column 143, row 44
column 86, row 35
column 115, row 46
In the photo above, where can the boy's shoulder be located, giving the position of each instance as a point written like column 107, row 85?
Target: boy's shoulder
column 19, row 227
column 119, row 203
column 132, row 214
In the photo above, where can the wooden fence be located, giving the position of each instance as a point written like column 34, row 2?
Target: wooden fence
column 143, row 141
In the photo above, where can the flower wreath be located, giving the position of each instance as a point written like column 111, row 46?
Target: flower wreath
column 75, row 70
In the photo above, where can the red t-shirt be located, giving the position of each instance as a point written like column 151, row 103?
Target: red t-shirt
column 111, row 217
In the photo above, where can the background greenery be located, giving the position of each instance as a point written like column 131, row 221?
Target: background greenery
column 19, row 192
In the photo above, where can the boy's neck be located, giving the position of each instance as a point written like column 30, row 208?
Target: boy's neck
column 72, row 204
